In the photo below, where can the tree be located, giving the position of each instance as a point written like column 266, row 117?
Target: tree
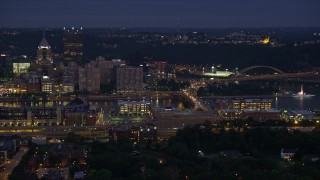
column 102, row 174
column 202, row 91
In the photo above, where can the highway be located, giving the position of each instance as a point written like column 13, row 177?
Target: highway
column 54, row 131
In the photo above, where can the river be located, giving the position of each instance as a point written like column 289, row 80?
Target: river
column 297, row 103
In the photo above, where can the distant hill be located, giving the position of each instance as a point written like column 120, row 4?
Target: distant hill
column 137, row 45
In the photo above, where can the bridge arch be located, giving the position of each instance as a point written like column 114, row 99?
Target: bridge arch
column 260, row 66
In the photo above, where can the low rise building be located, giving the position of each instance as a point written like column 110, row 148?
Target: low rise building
column 138, row 134
column 176, row 120
column 77, row 112
column 270, row 114
column 78, row 118
column 9, row 145
column 258, row 109
column 134, row 107
column 301, row 115
column 230, row 114
column 245, row 104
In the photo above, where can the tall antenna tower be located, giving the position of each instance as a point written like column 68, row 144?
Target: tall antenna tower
column 178, row 25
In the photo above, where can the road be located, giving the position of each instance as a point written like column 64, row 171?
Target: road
column 12, row 163
column 198, row 103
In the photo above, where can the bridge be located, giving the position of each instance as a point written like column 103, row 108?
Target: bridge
column 273, row 73
column 269, row 76
column 259, row 67
column 247, row 75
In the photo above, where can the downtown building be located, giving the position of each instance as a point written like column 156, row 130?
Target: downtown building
column 134, row 107
column 257, row 109
column 96, row 73
column 89, row 79
column 161, row 70
column 245, row 104
column 129, row 79
column 70, row 77
column 20, row 66
column 73, row 45
column 44, row 52
column 34, row 76
column 76, row 113
column 137, row 134
column 107, row 68
column 5, row 66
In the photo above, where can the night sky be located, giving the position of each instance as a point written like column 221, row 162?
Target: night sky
column 159, row 13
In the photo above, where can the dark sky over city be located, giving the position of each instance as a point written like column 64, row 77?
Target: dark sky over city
column 159, row 13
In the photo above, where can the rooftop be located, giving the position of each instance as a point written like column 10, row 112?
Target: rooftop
column 76, row 102
column 44, row 43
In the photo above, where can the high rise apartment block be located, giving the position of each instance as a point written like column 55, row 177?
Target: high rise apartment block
column 129, row 79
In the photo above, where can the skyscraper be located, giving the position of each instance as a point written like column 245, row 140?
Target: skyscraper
column 5, row 66
column 129, row 79
column 44, row 53
column 73, row 45
column 89, row 79
column 44, row 61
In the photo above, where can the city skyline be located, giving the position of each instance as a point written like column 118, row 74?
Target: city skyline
column 150, row 89
column 175, row 14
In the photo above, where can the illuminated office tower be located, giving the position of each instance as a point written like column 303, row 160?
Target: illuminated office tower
column 21, row 65
column 73, row 45
column 44, row 61
column 44, row 52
